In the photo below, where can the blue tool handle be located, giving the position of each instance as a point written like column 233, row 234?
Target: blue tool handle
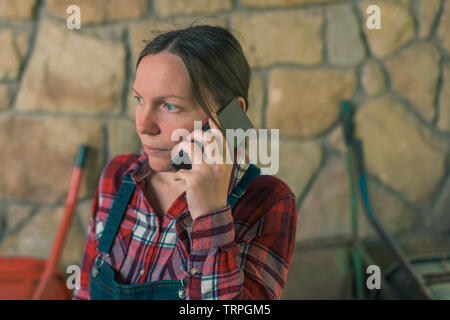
column 346, row 118
column 81, row 156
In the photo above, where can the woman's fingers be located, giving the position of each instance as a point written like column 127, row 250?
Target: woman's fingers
column 192, row 151
column 214, row 146
column 210, row 146
column 226, row 152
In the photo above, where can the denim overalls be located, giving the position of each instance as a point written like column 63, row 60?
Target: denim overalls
column 103, row 284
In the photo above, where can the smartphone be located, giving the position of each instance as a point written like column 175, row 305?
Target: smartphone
column 231, row 116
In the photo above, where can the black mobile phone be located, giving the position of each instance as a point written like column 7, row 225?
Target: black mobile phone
column 231, row 116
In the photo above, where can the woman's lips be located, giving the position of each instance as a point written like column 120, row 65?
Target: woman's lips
column 154, row 150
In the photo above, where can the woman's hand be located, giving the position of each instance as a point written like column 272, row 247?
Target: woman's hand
column 208, row 182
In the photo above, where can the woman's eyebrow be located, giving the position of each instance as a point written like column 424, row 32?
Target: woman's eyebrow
column 136, row 91
column 163, row 96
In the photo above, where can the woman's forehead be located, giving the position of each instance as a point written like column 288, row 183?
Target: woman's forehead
column 163, row 73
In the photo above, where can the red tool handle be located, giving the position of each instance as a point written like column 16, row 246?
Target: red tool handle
column 65, row 223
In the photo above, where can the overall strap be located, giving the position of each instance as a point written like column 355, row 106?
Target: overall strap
column 249, row 175
column 116, row 214
column 127, row 187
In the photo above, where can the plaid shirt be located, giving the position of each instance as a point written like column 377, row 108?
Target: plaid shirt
column 239, row 254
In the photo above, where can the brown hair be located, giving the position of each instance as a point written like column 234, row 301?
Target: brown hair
column 214, row 60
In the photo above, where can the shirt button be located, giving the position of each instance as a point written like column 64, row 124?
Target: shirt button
column 193, row 271
column 142, row 272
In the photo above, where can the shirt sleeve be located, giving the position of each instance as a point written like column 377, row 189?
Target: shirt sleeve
column 90, row 252
column 256, row 268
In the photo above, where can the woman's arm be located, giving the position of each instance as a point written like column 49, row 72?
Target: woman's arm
column 90, row 252
column 254, row 269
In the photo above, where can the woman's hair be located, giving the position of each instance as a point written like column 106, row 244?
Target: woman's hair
column 214, row 60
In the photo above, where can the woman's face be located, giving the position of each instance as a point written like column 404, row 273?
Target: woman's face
column 165, row 102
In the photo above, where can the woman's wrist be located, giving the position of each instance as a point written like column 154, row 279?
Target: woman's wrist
column 212, row 230
column 208, row 209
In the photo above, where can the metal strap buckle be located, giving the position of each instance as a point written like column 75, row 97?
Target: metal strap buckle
column 98, row 262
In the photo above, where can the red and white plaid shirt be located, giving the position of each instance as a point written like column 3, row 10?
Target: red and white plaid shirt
column 239, row 254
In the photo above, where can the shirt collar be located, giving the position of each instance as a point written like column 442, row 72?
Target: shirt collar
column 140, row 169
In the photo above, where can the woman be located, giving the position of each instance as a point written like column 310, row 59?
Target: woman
column 217, row 231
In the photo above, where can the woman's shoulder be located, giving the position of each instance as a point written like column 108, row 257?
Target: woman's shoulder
column 269, row 189
column 268, row 200
column 273, row 183
column 122, row 162
column 116, row 168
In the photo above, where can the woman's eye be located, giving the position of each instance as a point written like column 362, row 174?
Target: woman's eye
column 171, row 107
column 139, row 99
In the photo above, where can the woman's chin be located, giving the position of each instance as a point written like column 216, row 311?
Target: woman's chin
column 160, row 164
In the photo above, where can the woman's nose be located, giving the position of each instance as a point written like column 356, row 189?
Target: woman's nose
column 147, row 122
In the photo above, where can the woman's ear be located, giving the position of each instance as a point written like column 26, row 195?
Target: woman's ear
column 242, row 103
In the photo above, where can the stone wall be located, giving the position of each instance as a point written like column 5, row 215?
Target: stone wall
column 61, row 87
